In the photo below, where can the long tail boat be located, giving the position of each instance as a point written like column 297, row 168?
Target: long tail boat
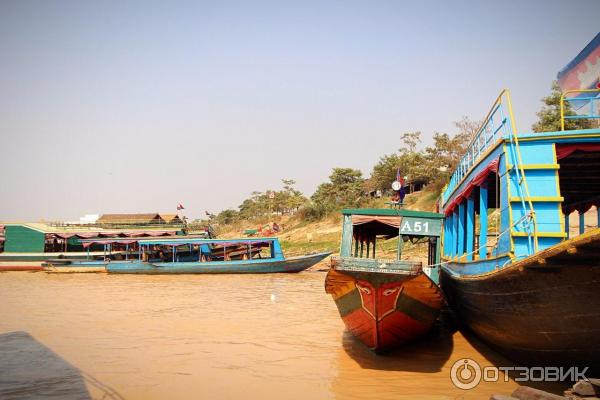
column 386, row 302
column 187, row 255
column 515, row 276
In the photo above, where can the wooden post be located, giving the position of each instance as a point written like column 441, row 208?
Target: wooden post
column 362, row 244
column 461, row 229
column 374, row 245
column 567, row 225
column 368, row 247
column 347, row 234
column 127, row 252
column 470, row 227
column 455, row 232
column 483, row 221
column 355, row 248
column 400, row 243
column 174, row 247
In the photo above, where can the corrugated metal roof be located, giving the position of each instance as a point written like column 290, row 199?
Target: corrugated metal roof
column 120, row 218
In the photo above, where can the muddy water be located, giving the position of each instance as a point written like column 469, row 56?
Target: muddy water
column 216, row 337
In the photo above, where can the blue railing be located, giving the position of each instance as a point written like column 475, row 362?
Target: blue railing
column 497, row 124
column 583, row 101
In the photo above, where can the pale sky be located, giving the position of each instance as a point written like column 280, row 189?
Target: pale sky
column 138, row 106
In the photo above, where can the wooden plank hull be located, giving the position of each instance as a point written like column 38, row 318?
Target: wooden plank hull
column 543, row 310
column 20, row 265
column 253, row 266
column 64, row 267
column 36, row 261
column 385, row 310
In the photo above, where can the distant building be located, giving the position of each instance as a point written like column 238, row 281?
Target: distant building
column 130, row 219
column 89, row 219
column 171, row 218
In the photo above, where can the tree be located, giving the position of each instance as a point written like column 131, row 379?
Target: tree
column 344, row 189
column 549, row 115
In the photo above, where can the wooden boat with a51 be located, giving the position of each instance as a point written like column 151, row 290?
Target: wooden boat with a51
column 386, row 302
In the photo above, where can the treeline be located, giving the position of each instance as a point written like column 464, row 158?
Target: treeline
column 347, row 188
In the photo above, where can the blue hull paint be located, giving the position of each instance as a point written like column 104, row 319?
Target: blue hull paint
column 254, row 266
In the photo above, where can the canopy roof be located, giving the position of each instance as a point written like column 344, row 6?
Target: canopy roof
column 181, row 240
column 392, row 212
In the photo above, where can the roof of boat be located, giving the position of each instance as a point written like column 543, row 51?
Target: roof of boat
column 186, row 240
column 392, row 212
column 44, row 227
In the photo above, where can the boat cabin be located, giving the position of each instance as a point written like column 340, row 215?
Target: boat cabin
column 57, row 238
column 369, row 233
column 189, row 249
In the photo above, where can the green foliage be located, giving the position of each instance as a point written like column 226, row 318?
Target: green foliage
column 549, row 115
column 434, row 164
column 263, row 204
column 344, row 189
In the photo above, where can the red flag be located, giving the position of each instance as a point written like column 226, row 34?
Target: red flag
column 399, row 177
column 180, row 207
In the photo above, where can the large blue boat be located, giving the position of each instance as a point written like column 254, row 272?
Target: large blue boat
column 510, row 270
column 212, row 256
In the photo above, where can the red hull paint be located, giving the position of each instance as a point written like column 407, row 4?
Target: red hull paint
column 385, row 314
column 21, row 268
column 378, row 324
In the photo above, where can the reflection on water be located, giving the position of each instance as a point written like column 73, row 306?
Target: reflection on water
column 229, row 336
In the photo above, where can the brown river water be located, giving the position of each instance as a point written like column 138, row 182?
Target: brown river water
column 99, row 336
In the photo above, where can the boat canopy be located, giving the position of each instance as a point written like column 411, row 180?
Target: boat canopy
column 370, row 222
column 198, row 240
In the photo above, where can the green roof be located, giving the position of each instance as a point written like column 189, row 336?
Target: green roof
column 392, row 212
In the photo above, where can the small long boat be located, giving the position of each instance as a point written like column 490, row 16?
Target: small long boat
column 196, row 256
column 521, row 284
column 385, row 302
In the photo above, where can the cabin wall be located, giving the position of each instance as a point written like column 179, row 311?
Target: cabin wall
column 538, row 164
column 21, row 239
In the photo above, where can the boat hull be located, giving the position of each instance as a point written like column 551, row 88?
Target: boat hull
column 541, row 311
column 253, row 266
column 72, row 266
column 385, row 310
column 21, row 265
column 36, row 261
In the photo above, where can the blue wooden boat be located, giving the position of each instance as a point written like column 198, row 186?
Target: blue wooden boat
column 510, row 271
column 212, row 256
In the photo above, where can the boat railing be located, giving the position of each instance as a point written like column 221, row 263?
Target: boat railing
column 497, row 124
column 584, row 97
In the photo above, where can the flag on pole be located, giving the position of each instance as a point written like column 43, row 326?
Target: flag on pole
column 402, row 191
column 180, row 207
column 399, row 177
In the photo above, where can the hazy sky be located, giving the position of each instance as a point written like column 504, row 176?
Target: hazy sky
column 138, row 106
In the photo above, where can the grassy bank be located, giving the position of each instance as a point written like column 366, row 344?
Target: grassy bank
column 299, row 236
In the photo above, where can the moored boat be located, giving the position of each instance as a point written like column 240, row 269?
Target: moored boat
column 213, row 256
column 514, row 276
column 27, row 246
column 386, row 302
